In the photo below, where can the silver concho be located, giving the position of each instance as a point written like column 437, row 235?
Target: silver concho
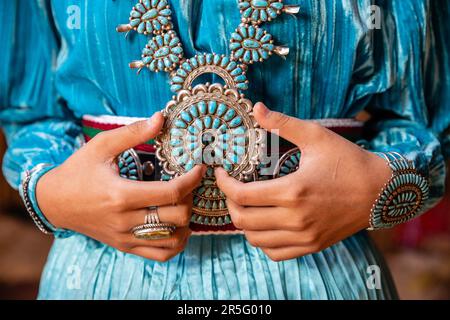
column 214, row 125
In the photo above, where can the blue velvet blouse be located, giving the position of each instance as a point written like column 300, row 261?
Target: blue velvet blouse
column 61, row 59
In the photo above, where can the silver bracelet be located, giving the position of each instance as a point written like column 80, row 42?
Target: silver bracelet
column 402, row 197
column 29, row 206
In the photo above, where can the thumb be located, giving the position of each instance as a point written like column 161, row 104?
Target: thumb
column 113, row 142
column 286, row 127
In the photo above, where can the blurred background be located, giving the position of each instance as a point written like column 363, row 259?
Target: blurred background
column 417, row 252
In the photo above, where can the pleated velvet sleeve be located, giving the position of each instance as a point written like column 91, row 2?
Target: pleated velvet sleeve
column 399, row 106
column 39, row 128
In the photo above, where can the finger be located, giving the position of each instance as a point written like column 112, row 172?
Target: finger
column 286, row 253
column 175, row 241
column 113, row 142
column 158, row 254
column 278, row 239
column 141, row 194
column 289, row 128
column 178, row 215
column 258, row 193
column 261, row 218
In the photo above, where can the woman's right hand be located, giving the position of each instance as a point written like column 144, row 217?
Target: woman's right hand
column 86, row 194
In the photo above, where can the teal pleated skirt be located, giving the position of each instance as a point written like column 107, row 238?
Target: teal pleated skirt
column 215, row 267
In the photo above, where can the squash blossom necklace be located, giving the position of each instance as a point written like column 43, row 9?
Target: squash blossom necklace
column 208, row 123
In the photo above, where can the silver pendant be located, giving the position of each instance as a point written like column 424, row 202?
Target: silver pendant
column 213, row 125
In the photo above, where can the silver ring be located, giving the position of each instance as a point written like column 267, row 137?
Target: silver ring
column 152, row 217
column 154, row 231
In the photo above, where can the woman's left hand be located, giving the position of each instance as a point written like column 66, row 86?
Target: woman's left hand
column 327, row 200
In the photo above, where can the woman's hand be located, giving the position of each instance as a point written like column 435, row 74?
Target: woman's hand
column 327, row 200
column 87, row 195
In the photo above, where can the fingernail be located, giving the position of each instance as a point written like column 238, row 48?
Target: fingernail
column 262, row 109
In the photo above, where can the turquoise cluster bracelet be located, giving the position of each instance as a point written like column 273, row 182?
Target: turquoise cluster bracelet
column 402, row 197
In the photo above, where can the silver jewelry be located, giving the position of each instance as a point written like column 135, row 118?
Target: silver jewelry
column 402, row 197
column 152, row 216
column 154, row 231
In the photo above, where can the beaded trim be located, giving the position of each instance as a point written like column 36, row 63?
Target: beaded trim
column 402, row 197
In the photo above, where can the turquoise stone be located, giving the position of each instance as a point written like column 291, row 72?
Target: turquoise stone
column 193, row 146
column 238, row 53
column 216, row 123
column 259, row 4
column 175, row 142
column 194, row 62
column 202, row 107
column 135, row 22
column 176, row 152
column 193, row 130
column 235, row 45
column 159, row 40
column 180, row 124
column 239, row 131
column 165, row 12
column 182, row 73
column 255, row 15
column 208, row 122
column 263, row 15
column 255, row 55
column 268, row 46
column 242, row 86
column 236, row 72
column 141, row 28
column 251, row 44
column 236, row 36
column 186, row 116
column 247, row 56
column 225, row 61
column 201, row 59
column 231, row 66
column 176, row 87
column 272, row 13
column 229, row 115
column 247, row 13
column 209, row 58
column 252, row 30
column 163, row 20
column 277, row 5
column 193, row 110
column 221, row 109
column 177, row 50
column 189, row 165
column 243, row 31
column 150, row 14
column 239, row 150
column 266, row 38
column 199, row 124
column 212, row 106
column 217, row 59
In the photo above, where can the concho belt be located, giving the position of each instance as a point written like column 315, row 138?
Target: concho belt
column 209, row 213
